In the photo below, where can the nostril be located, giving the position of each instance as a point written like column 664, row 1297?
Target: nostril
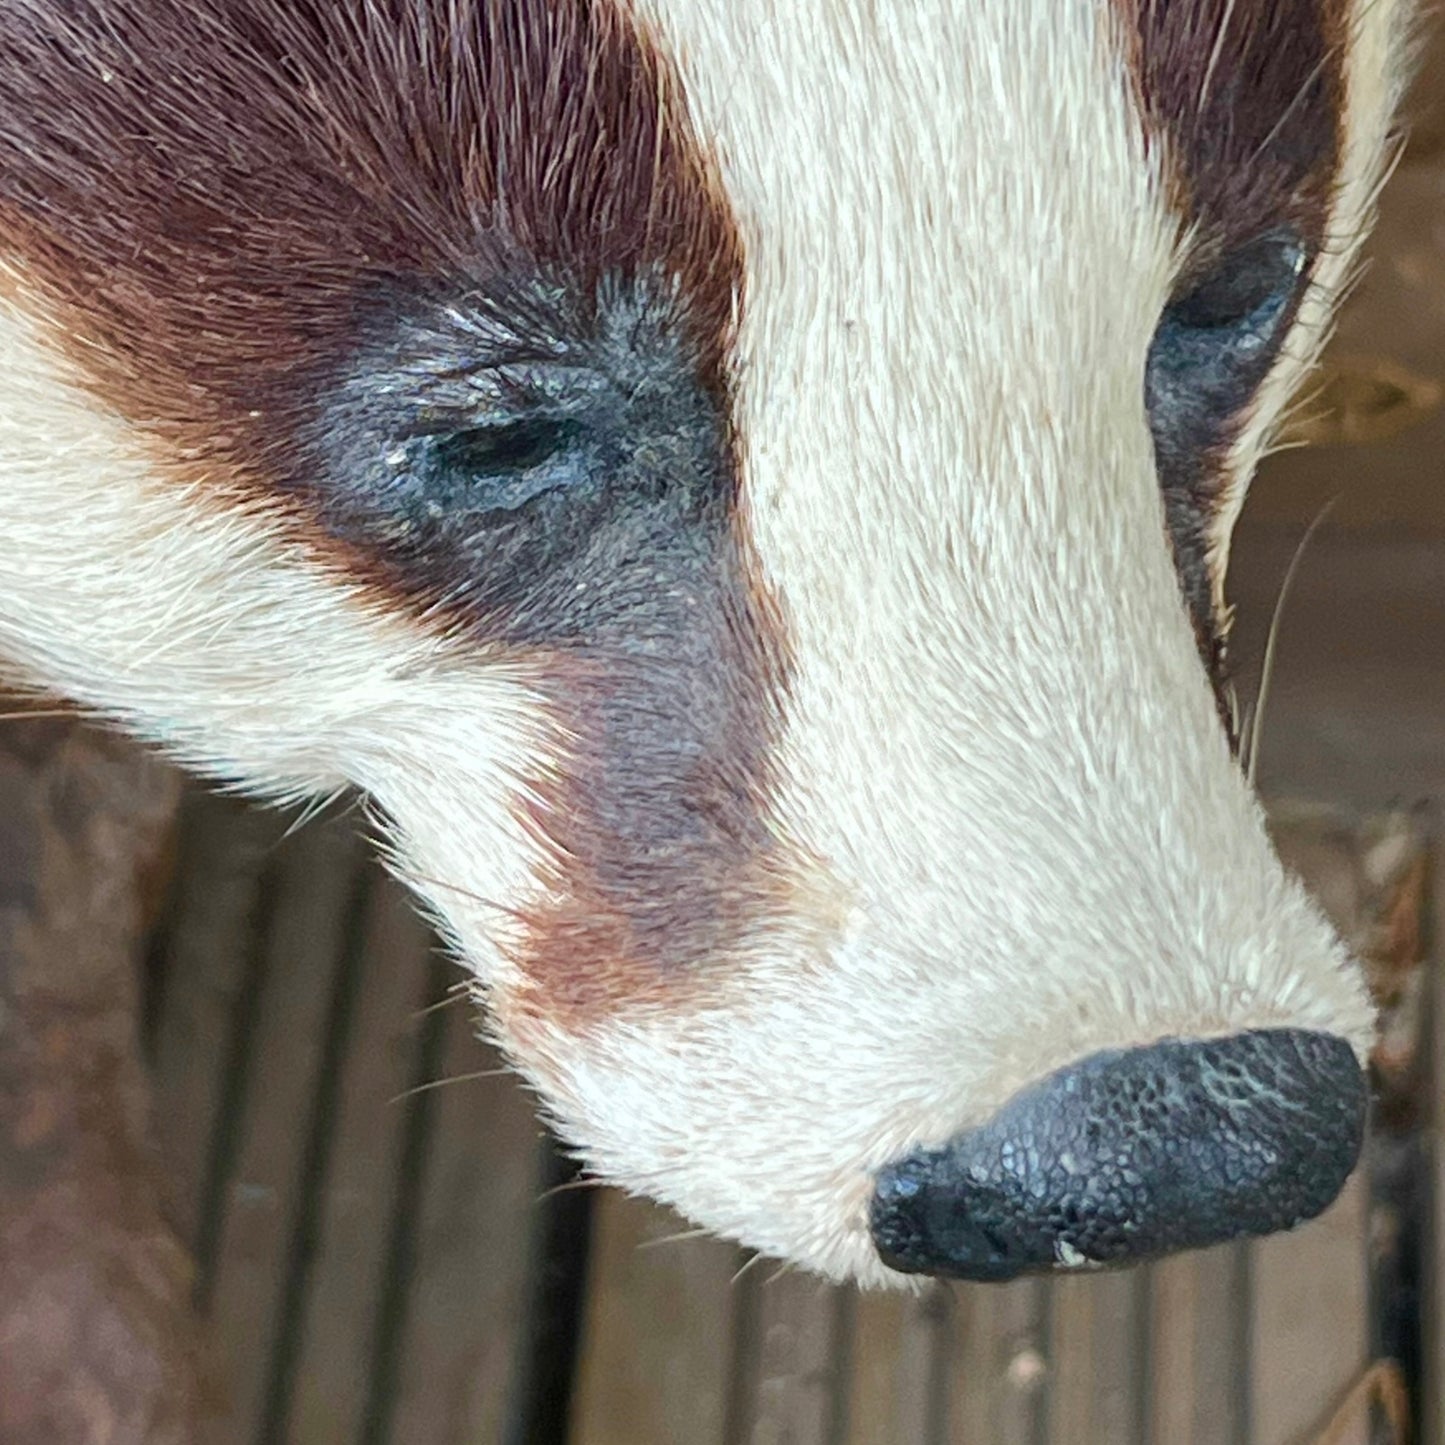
column 1131, row 1154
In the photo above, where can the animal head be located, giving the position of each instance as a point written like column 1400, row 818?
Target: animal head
column 744, row 487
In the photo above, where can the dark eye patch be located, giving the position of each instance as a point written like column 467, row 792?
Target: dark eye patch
column 1216, row 342
column 548, row 460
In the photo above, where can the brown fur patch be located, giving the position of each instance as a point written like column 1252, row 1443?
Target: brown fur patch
column 212, row 196
column 1248, row 99
column 216, row 199
column 680, row 861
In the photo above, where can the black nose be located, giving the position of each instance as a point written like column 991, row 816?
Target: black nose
column 1132, row 1154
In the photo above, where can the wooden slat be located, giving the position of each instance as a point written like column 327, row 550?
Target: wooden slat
column 1433, row 1425
column 334, row 1370
column 1309, row 1321
column 315, row 880
column 463, row 1281
column 468, row 1284
column 1076, row 1331
column 793, row 1397
column 1174, row 1328
column 998, row 1367
column 1021, row 1360
column 894, row 1390
column 224, row 847
column 96, row 1338
column 655, row 1348
column 1223, row 1285
column 966, row 1367
column 1096, row 1370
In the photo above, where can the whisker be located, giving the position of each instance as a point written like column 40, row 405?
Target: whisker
column 312, row 809
column 1237, row 723
column 22, row 713
column 1246, row 723
column 1302, row 410
column 431, row 1084
column 459, row 992
column 588, row 1181
column 786, row 1268
column 1214, row 55
column 746, row 1265
column 1290, row 109
column 1266, row 675
column 410, row 875
column 680, row 1237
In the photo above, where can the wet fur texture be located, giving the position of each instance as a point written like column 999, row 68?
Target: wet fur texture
column 884, row 782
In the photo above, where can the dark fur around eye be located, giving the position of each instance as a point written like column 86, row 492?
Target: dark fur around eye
column 1244, row 293
column 1216, row 342
column 526, row 453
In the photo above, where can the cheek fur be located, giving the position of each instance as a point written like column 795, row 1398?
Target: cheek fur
column 301, row 183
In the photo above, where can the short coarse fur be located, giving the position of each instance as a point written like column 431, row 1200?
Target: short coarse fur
column 873, row 773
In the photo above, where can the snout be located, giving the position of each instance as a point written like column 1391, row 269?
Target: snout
column 1132, row 1154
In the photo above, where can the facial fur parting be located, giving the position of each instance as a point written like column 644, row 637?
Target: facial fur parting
column 691, row 465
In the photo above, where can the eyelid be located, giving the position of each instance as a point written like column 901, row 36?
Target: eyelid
column 498, row 397
column 1260, row 275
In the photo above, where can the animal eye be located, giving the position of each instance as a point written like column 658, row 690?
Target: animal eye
column 1215, row 344
column 500, row 467
column 1244, row 294
column 508, row 448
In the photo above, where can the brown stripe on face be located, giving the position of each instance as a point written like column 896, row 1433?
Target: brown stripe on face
column 664, row 851
column 219, row 192
column 1247, row 100
column 398, row 265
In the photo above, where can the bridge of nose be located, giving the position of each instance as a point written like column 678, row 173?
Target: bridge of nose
column 1132, row 1154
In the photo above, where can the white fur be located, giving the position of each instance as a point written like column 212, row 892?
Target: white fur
column 1000, row 741
column 197, row 624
